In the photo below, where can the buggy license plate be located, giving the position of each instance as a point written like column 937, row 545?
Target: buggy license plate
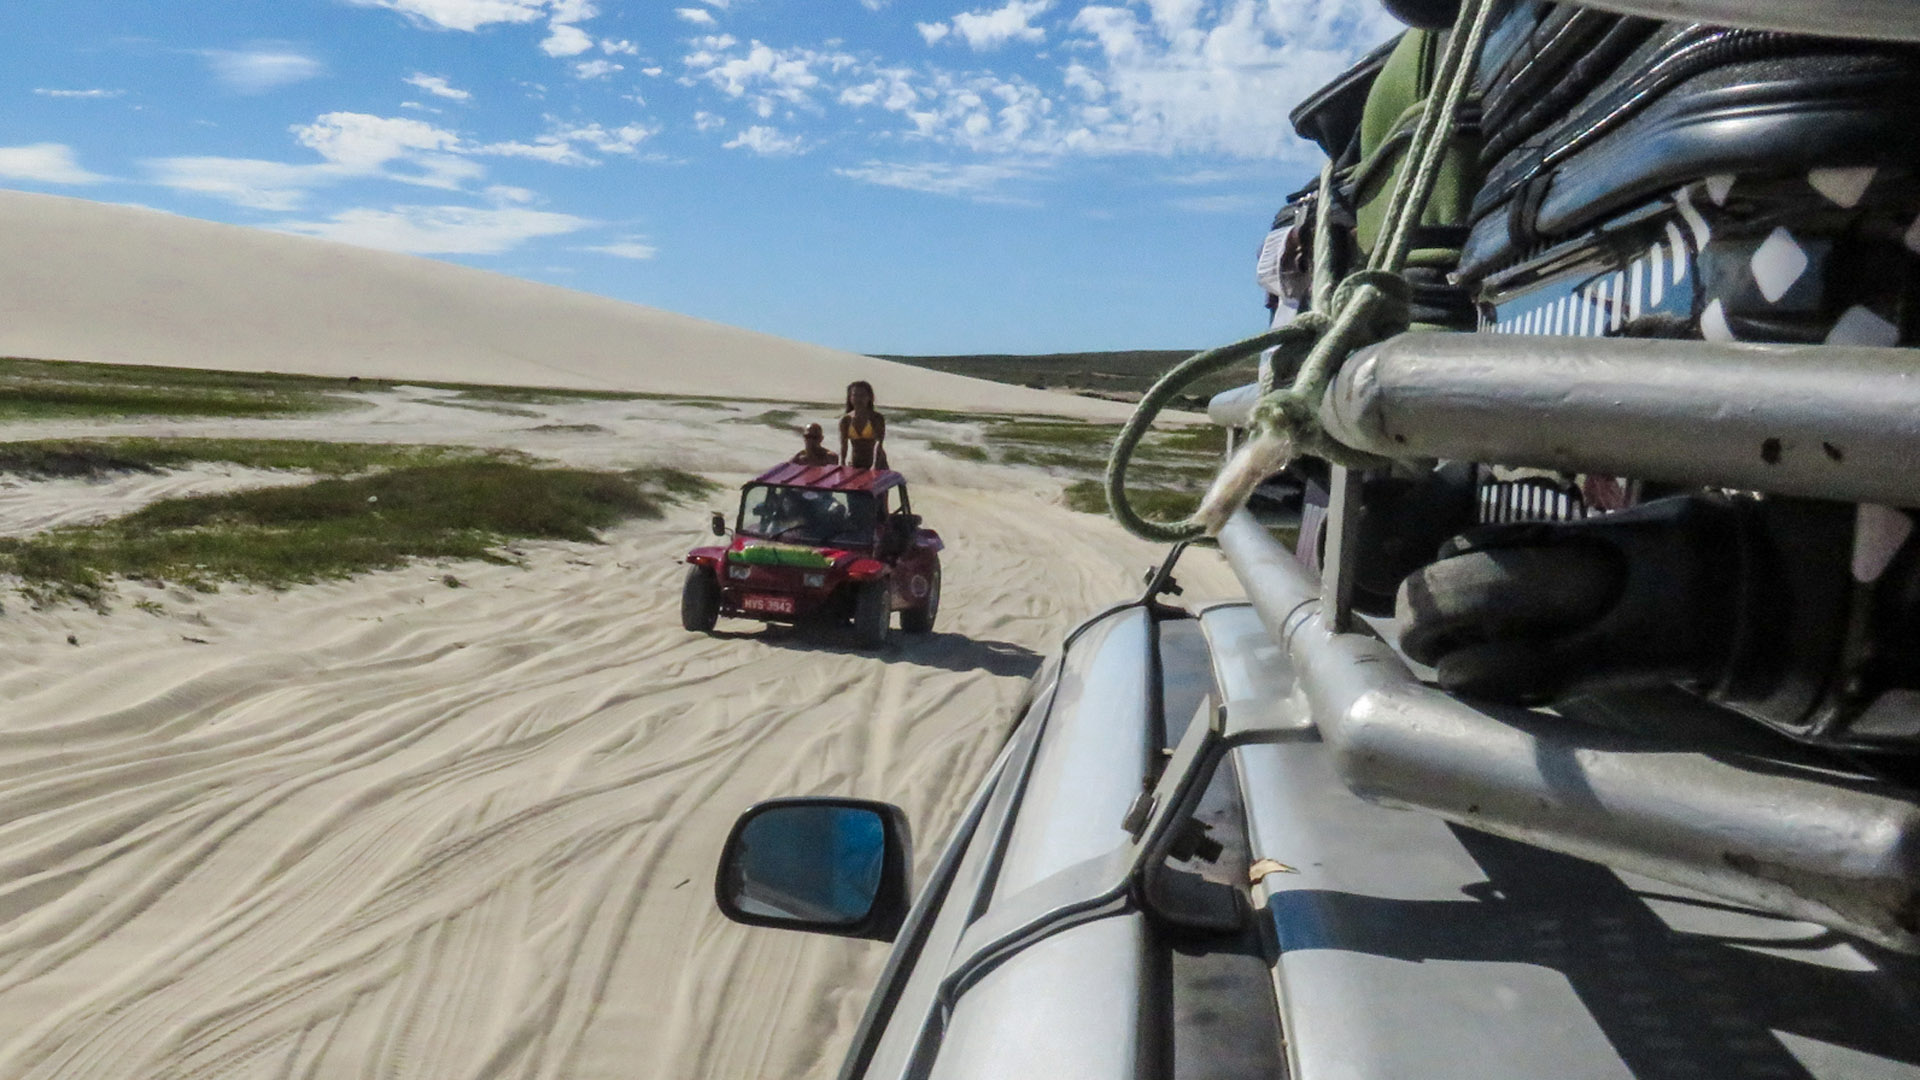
column 772, row 605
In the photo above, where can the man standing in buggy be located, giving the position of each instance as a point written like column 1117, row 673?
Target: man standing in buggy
column 814, row 452
column 863, row 430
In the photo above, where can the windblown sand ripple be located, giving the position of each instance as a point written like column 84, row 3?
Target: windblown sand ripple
column 390, row 828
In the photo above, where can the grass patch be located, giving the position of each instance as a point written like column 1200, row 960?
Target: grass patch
column 533, row 395
column 1166, row 478
column 333, row 528
column 1090, row 497
column 1154, row 504
column 777, row 419
column 40, row 389
column 43, row 390
column 960, row 451
column 497, row 410
column 101, row 457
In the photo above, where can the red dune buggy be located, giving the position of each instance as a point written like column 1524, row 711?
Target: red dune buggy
column 819, row 544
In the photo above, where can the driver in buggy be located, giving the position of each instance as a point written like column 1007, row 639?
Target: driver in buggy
column 812, row 514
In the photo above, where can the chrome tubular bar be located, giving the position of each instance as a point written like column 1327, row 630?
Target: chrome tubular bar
column 1790, row 840
column 1828, row 422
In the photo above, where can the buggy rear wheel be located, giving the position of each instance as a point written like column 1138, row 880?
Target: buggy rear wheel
column 872, row 613
column 920, row 620
column 699, row 600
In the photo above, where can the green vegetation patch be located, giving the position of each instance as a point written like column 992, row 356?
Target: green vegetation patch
column 333, row 528
column 44, row 390
column 1168, row 473
column 778, row 419
column 959, row 451
column 534, row 395
column 102, row 457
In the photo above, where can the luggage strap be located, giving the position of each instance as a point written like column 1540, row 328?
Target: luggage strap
column 1369, row 306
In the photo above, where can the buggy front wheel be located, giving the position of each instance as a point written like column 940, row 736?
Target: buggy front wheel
column 700, row 600
column 871, row 614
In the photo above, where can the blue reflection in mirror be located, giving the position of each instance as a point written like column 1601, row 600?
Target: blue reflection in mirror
column 813, row 864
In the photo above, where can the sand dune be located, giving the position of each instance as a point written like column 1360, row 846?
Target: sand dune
column 90, row 281
column 390, row 828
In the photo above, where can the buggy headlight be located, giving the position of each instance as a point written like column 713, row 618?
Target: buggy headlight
column 739, row 573
column 813, row 581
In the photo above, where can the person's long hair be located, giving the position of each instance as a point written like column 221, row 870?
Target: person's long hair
column 861, row 384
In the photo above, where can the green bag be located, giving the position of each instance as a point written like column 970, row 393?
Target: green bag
column 782, row 555
column 1393, row 108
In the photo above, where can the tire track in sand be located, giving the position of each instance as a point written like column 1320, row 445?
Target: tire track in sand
column 387, row 829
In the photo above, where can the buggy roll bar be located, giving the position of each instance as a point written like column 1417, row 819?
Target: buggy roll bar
column 1820, row 421
column 1784, row 837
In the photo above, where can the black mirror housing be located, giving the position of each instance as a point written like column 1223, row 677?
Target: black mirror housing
column 819, row 864
column 719, row 523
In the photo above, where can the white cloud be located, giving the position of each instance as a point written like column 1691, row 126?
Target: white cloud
column 622, row 140
column 1195, row 79
column 977, row 180
column 258, row 185
column 1200, row 177
column 766, row 78
column 462, row 14
column 545, row 148
column 891, row 90
column 619, row 48
column 933, row 32
column 78, row 93
column 985, row 30
column 44, row 163
column 438, row 87
column 696, row 16
column 633, row 247
column 559, row 145
column 256, row 71
column 596, row 69
column 362, row 143
column 766, row 142
column 566, row 40
column 439, row 230
column 350, row 145
column 873, row 5
column 1223, row 204
column 706, row 121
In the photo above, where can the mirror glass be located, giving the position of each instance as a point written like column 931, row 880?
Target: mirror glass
column 812, row 864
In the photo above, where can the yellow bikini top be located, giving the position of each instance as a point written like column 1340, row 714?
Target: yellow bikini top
column 856, row 432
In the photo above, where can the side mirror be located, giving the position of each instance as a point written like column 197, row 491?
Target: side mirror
column 825, row 865
column 719, row 523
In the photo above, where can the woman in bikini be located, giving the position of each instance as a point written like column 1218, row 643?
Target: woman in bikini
column 863, row 431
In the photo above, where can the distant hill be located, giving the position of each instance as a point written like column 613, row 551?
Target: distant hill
column 1118, row 376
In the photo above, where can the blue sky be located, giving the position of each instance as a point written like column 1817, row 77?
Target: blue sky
column 898, row 176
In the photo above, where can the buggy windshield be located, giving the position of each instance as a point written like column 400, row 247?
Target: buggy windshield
column 807, row 516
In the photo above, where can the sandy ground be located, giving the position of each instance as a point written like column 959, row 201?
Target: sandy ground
column 390, row 828
column 114, row 284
